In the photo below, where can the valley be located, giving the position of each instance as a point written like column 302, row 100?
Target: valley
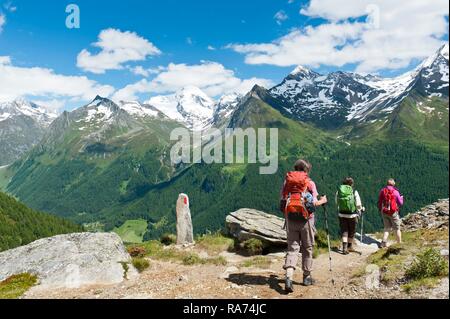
column 108, row 163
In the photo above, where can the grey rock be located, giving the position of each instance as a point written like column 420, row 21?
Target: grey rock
column 249, row 223
column 70, row 261
column 185, row 232
column 434, row 216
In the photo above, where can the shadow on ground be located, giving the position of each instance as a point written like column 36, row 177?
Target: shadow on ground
column 272, row 281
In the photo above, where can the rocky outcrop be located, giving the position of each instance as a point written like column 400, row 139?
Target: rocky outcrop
column 249, row 223
column 431, row 217
column 185, row 232
column 71, row 261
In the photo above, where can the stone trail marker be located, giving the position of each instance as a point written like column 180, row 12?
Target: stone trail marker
column 185, row 232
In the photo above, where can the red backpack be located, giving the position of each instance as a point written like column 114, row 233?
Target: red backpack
column 296, row 188
column 389, row 204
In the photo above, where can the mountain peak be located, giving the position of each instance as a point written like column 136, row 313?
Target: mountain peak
column 444, row 51
column 300, row 69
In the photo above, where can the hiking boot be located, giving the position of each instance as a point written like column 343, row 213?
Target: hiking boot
column 308, row 281
column 289, row 286
column 382, row 245
column 345, row 249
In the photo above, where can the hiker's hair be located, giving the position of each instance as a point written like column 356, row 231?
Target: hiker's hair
column 391, row 182
column 349, row 181
column 303, row 166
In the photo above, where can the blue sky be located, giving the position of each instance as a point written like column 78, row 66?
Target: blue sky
column 242, row 41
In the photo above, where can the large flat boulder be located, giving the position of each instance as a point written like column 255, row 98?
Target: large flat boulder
column 248, row 223
column 70, row 261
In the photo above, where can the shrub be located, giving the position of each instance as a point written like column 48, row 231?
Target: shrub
column 15, row 286
column 137, row 251
column 140, row 264
column 321, row 239
column 428, row 264
column 253, row 247
column 192, row 259
column 168, row 239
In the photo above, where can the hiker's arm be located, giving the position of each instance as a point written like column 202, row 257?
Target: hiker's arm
column 400, row 199
column 358, row 203
column 322, row 201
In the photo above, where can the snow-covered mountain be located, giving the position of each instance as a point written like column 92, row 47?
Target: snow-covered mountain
column 22, row 125
column 335, row 99
column 190, row 106
column 195, row 109
column 21, row 107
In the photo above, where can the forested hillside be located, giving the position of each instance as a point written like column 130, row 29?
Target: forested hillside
column 20, row 225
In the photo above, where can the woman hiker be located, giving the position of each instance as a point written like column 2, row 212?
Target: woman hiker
column 350, row 208
column 299, row 199
column 389, row 202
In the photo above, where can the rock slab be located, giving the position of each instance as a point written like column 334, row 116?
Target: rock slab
column 71, row 261
column 248, row 223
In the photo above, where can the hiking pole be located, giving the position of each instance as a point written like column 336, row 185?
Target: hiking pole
column 329, row 242
column 362, row 228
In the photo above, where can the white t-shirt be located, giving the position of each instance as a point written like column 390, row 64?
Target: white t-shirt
column 359, row 206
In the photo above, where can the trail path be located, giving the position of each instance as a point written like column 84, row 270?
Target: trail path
column 174, row 281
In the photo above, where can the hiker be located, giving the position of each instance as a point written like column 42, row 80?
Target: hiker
column 299, row 199
column 350, row 209
column 389, row 202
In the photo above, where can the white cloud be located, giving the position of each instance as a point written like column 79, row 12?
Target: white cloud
column 211, row 48
column 117, row 48
column 45, row 84
column 189, row 41
column 373, row 34
column 280, row 17
column 140, row 70
column 211, row 77
column 52, row 105
column 2, row 21
column 10, row 7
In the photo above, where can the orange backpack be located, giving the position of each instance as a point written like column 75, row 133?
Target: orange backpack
column 298, row 197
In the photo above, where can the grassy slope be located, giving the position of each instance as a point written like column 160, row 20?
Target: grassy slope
column 132, row 231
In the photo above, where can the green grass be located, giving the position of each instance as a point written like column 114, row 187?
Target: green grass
column 5, row 177
column 132, row 231
column 15, row 286
column 395, row 261
column 140, row 264
column 156, row 250
column 215, row 243
column 257, row 262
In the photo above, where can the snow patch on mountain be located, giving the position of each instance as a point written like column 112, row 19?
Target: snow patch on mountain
column 21, row 107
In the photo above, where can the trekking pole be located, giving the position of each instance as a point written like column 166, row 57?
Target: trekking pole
column 329, row 242
column 362, row 228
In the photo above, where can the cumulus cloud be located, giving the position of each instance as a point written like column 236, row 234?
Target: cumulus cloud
column 145, row 72
column 212, row 77
column 372, row 34
column 280, row 17
column 117, row 48
column 2, row 21
column 45, row 84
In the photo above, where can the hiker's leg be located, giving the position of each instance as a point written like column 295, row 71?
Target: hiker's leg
column 397, row 224
column 387, row 229
column 293, row 235
column 307, row 233
column 345, row 232
column 352, row 222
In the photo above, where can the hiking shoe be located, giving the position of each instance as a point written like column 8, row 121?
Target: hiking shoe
column 289, row 286
column 382, row 245
column 308, row 281
column 346, row 252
